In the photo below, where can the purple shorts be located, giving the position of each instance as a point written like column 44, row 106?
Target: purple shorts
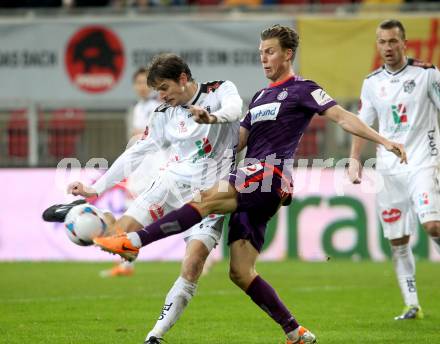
column 262, row 189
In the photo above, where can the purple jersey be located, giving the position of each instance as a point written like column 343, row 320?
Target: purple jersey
column 279, row 115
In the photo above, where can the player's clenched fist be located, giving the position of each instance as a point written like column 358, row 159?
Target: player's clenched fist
column 201, row 115
column 79, row 189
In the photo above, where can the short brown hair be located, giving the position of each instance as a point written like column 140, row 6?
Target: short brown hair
column 288, row 38
column 167, row 66
column 391, row 24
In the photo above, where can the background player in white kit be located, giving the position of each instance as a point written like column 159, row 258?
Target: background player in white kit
column 204, row 153
column 138, row 119
column 148, row 101
column 404, row 95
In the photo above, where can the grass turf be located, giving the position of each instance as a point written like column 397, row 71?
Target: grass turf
column 340, row 301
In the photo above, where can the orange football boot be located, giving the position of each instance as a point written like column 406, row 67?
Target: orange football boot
column 119, row 270
column 305, row 337
column 118, row 244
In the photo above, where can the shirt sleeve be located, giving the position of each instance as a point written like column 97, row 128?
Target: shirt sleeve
column 231, row 103
column 131, row 158
column 434, row 86
column 314, row 98
column 246, row 122
column 367, row 112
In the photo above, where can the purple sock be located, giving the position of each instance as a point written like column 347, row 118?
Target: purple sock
column 267, row 299
column 174, row 222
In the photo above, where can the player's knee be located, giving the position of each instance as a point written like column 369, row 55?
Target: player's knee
column 432, row 228
column 239, row 276
column 192, row 268
column 235, row 275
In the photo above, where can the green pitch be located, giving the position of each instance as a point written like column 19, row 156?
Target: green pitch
column 341, row 302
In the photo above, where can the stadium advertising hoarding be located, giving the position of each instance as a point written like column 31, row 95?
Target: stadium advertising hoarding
column 339, row 53
column 82, row 61
column 329, row 218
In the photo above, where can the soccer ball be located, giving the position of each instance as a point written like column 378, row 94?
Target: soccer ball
column 83, row 223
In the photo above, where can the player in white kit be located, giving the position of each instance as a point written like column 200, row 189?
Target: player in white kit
column 147, row 102
column 404, row 95
column 203, row 154
column 138, row 120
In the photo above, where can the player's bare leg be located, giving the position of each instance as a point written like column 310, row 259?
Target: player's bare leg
column 243, row 273
column 220, row 199
column 432, row 228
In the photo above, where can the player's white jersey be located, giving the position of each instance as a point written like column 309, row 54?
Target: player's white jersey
column 407, row 104
column 202, row 153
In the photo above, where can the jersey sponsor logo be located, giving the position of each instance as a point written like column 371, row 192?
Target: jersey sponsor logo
column 392, row 215
column 409, row 86
column 282, row 95
column 395, row 81
column 432, row 144
column 266, row 112
column 204, row 149
column 166, row 308
column 251, row 169
column 423, row 199
column 321, row 97
column 204, row 146
column 182, row 127
column 411, row 283
column 399, row 114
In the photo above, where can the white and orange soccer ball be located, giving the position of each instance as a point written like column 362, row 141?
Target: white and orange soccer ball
column 83, row 223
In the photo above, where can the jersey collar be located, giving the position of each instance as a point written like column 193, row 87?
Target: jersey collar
column 278, row 83
column 196, row 96
column 398, row 71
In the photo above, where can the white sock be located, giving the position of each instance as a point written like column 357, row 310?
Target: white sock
column 135, row 239
column 293, row 335
column 175, row 303
column 405, row 267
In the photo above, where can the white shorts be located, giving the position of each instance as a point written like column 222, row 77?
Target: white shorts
column 405, row 197
column 163, row 195
column 206, row 239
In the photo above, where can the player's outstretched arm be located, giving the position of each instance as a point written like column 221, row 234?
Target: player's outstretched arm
column 352, row 124
column 242, row 141
column 355, row 166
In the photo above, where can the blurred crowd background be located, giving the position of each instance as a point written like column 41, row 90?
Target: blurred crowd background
column 153, row 3
column 46, row 114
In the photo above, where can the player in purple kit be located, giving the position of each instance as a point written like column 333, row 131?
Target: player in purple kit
column 278, row 116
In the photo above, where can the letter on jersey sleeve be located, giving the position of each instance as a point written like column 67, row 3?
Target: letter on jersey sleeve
column 314, row 98
column 434, row 86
